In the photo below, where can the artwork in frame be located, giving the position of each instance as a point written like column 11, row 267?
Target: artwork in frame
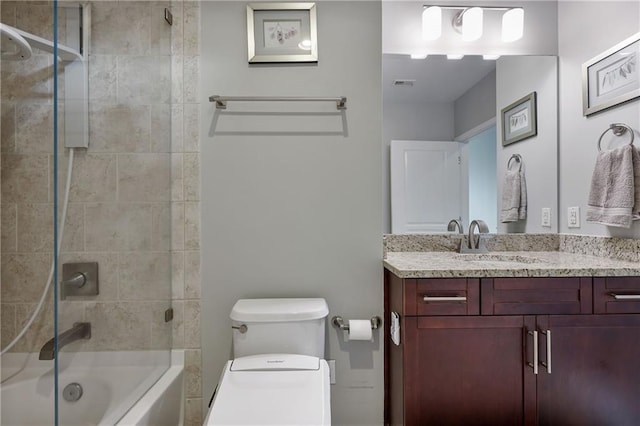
column 282, row 32
column 519, row 120
column 612, row 77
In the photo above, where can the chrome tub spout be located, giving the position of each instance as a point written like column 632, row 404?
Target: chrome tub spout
column 80, row 330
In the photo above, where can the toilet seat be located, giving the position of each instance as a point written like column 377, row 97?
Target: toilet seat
column 272, row 389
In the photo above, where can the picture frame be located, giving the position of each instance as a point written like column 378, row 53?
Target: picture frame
column 282, row 32
column 612, row 77
column 519, row 119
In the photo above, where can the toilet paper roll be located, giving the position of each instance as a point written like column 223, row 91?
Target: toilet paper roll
column 360, row 330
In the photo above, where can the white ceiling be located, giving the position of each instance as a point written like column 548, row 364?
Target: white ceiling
column 437, row 79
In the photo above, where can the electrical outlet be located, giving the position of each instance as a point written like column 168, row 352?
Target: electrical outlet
column 332, row 371
column 546, row 217
column 573, row 217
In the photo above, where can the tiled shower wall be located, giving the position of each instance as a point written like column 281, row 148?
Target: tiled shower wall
column 134, row 203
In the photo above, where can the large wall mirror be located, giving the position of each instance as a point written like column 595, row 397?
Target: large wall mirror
column 443, row 136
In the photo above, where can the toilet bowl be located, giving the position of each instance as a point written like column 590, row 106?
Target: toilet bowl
column 278, row 375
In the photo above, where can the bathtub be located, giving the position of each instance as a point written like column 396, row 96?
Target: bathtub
column 119, row 388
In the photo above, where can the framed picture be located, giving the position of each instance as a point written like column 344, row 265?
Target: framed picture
column 611, row 78
column 282, row 32
column 519, row 120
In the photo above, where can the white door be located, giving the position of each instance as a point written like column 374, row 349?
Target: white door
column 426, row 188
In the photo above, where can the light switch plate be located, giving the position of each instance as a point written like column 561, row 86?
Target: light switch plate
column 573, row 217
column 546, row 217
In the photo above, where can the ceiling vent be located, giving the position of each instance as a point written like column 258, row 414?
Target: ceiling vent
column 403, row 82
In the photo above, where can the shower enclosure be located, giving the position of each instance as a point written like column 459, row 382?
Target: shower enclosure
column 86, row 101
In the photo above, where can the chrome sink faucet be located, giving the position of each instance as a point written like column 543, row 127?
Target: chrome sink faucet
column 476, row 243
column 80, row 330
column 453, row 224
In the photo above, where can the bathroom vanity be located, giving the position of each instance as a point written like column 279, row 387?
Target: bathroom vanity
column 531, row 338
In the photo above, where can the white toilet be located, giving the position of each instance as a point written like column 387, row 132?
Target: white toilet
column 278, row 375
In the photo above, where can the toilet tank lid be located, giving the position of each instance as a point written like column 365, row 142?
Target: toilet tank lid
column 279, row 310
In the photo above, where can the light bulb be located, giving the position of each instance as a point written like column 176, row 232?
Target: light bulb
column 512, row 25
column 431, row 23
column 472, row 24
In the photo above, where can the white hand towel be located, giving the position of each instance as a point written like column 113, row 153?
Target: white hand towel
column 514, row 195
column 614, row 197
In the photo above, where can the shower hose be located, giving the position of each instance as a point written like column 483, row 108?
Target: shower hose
column 50, row 279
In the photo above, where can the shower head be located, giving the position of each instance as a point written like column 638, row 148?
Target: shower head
column 14, row 47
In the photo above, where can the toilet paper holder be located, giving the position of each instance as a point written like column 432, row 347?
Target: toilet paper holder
column 337, row 321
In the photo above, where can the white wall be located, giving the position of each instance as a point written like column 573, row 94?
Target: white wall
column 582, row 37
column 402, row 29
column 291, row 193
column 516, row 77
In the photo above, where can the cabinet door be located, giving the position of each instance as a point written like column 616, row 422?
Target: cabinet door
column 464, row 370
column 594, row 378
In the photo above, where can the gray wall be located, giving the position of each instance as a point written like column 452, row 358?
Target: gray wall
column 581, row 38
column 476, row 106
column 292, row 204
column 518, row 76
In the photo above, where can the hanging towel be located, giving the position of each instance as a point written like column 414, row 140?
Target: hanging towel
column 514, row 195
column 614, row 197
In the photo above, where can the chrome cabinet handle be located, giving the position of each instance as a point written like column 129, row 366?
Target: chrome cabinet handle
column 548, row 362
column 445, row 298
column 625, row 296
column 534, row 364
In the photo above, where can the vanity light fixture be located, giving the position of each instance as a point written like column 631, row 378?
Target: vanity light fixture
column 468, row 21
column 490, row 57
column 419, row 56
column 454, row 57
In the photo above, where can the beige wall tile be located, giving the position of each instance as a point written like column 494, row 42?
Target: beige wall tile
column 192, row 226
column 192, row 28
column 192, row 128
column 103, row 72
column 177, row 181
column 9, row 229
column 193, row 412
column 23, row 276
column 177, row 226
column 192, row 324
column 120, row 28
column 8, row 127
column 25, row 178
column 177, row 79
column 192, row 281
column 177, row 144
column 35, row 18
column 73, row 235
column 119, row 128
column 119, row 325
column 94, row 177
column 161, row 128
column 144, row 276
column 28, row 79
column 7, row 323
column 161, row 227
column 34, row 128
column 193, row 373
column 177, row 337
column 160, row 330
column 144, row 177
column 191, row 75
column 191, row 176
column 177, row 30
column 177, row 275
column 113, row 227
column 144, row 79
column 35, row 227
column 160, row 30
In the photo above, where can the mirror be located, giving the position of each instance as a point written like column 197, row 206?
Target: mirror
column 437, row 100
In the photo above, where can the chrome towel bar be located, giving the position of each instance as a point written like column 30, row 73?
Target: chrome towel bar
column 221, row 101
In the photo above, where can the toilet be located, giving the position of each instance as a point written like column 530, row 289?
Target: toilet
column 278, row 374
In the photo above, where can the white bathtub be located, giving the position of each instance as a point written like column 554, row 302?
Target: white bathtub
column 119, row 388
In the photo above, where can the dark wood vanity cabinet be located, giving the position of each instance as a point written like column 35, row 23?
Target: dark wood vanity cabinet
column 468, row 352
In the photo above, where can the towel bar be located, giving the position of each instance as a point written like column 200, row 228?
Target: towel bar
column 516, row 157
column 618, row 129
column 221, row 101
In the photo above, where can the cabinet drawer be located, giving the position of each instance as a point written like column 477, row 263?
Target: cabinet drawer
column 448, row 296
column 616, row 295
column 536, row 296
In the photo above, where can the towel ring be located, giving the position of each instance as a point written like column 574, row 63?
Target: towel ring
column 516, row 157
column 618, row 129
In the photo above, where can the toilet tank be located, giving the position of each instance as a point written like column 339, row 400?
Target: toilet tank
column 290, row 326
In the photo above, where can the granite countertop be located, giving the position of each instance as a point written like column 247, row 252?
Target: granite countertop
column 447, row 264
